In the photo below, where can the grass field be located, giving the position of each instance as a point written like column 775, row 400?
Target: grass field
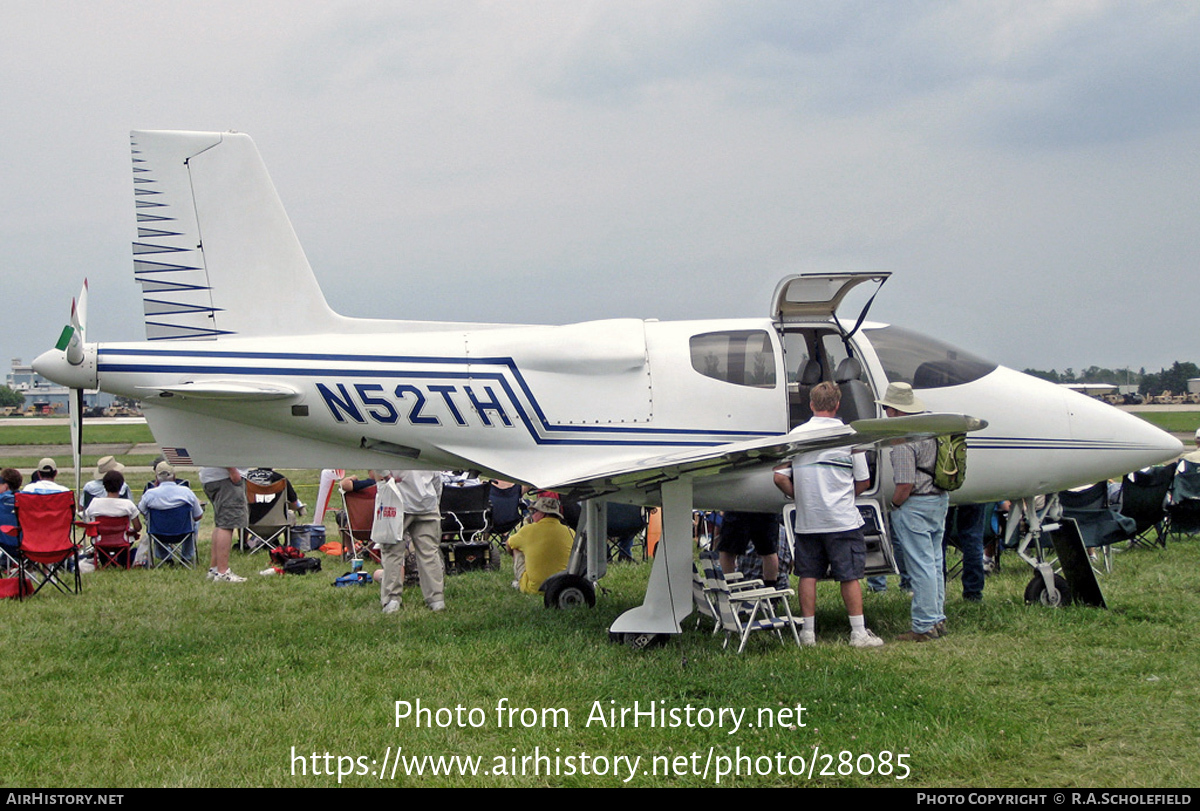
column 34, row 434
column 163, row 679
column 1179, row 422
column 18, row 435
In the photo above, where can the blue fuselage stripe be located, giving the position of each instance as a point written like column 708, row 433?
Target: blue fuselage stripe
column 679, row 435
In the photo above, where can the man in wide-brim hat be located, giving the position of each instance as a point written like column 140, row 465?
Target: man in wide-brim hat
column 918, row 519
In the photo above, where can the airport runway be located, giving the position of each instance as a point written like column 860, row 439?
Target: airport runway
column 67, row 421
column 56, row 451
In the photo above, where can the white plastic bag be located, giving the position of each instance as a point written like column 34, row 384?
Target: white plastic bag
column 389, row 513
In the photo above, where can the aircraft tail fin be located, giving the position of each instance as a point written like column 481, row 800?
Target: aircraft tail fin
column 215, row 252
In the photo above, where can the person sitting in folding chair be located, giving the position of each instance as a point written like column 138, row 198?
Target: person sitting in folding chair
column 95, row 488
column 174, row 542
column 45, row 482
column 357, row 519
column 47, row 548
column 150, row 485
column 265, row 477
column 10, row 529
column 113, row 505
column 270, row 495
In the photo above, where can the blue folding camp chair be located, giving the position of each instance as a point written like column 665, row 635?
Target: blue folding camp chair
column 172, row 534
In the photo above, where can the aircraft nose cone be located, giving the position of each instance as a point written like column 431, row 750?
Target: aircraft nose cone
column 1143, row 443
column 53, row 365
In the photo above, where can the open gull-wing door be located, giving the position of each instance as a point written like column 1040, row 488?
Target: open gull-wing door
column 816, row 296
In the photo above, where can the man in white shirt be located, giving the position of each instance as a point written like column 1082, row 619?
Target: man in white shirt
column 47, row 471
column 828, row 525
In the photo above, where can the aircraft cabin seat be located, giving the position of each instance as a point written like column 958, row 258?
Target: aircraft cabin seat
column 809, row 375
column 858, row 401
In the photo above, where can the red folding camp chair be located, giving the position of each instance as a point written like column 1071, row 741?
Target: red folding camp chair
column 111, row 542
column 46, row 543
column 359, row 519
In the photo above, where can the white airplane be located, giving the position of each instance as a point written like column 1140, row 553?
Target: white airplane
column 245, row 364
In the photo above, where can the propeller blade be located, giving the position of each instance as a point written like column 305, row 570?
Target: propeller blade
column 73, row 336
column 79, row 312
column 76, row 412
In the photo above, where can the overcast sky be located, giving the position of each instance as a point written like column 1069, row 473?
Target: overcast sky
column 1030, row 172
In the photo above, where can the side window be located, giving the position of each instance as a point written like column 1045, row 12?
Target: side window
column 741, row 357
column 835, row 352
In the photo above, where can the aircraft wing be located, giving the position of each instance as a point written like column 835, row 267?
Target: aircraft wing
column 859, row 435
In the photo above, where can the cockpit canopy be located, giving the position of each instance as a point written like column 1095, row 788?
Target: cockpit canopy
column 923, row 362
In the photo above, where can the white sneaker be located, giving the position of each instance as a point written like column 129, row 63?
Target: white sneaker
column 864, row 639
column 516, row 584
column 808, row 638
column 437, row 606
column 227, row 576
column 268, row 572
column 392, row 607
column 212, row 574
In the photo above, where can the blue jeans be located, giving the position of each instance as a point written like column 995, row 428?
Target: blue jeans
column 965, row 525
column 917, row 527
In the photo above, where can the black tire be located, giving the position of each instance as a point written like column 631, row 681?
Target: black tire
column 1036, row 593
column 570, row 591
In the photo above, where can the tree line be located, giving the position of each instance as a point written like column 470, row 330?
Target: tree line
column 1152, row 383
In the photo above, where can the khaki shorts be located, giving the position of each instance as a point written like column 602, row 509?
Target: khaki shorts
column 230, row 508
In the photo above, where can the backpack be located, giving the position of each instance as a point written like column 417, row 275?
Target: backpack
column 950, row 466
column 301, row 566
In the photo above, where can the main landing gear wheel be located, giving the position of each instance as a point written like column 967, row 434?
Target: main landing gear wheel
column 1036, row 592
column 570, row 591
column 639, row 641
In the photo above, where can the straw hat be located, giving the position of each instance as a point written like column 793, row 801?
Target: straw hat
column 106, row 464
column 900, row 397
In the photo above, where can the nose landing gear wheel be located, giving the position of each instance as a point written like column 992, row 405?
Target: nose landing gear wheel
column 1037, row 594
